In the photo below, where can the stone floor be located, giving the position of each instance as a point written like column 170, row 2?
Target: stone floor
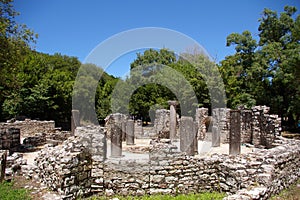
column 139, row 151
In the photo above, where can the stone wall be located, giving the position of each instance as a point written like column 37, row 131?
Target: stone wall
column 30, row 127
column 93, row 139
column 66, row 169
column 79, row 167
column 258, row 127
column 9, row 139
column 275, row 170
column 76, row 167
column 173, row 172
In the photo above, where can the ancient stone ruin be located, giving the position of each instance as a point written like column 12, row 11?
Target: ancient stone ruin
column 246, row 157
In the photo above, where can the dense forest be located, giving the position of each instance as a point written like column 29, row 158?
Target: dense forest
column 263, row 72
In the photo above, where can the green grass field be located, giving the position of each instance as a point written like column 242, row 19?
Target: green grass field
column 201, row 196
column 7, row 192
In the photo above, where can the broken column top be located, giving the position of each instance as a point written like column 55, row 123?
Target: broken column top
column 173, row 103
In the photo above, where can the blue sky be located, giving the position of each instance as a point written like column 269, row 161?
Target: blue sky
column 76, row 27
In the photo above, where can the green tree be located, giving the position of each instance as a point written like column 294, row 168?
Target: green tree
column 267, row 71
column 15, row 41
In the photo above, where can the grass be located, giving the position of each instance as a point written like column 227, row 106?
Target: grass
column 7, row 192
column 200, row 196
column 291, row 193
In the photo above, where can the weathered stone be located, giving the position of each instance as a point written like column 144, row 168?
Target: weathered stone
column 201, row 119
column 172, row 119
column 187, row 135
column 130, row 132
column 162, row 123
column 235, row 133
column 215, row 137
column 3, row 156
column 75, row 120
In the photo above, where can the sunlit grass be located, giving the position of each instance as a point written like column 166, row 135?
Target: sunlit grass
column 7, row 192
column 200, row 196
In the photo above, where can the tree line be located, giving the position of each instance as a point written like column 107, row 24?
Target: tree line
column 265, row 71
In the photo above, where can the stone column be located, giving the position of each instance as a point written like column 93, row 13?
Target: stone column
column 200, row 118
column 196, row 138
column 116, row 136
column 124, row 123
column 172, row 119
column 187, row 135
column 256, row 125
column 215, row 137
column 3, row 157
column 235, row 132
column 138, row 128
column 130, row 132
column 75, row 120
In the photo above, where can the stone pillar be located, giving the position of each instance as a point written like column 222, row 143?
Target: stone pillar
column 138, row 128
column 116, row 136
column 246, row 126
column 124, row 123
column 200, row 118
column 162, row 123
column 172, row 119
column 75, row 120
column 187, row 135
column 196, row 138
column 130, row 132
column 15, row 135
column 235, row 132
column 215, row 137
column 3, row 156
column 256, row 125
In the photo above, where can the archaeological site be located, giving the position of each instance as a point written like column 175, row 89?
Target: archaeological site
column 238, row 152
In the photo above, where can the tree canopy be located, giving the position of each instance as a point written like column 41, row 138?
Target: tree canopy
column 264, row 70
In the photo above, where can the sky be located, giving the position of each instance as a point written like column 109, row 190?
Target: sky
column 77, row 27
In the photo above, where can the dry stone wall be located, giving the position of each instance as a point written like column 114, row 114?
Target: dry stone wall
column 259, row 174
column 80, row 166
column 66, row 169
column 76, row 167
column 9, row 139
column 30, row 127
column 258, row 127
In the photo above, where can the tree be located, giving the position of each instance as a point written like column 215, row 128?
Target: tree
column 238, row 69
column 266, row 72
column 15, row 40
column 159, row 75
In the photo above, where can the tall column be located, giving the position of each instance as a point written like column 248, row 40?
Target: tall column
column 75, row 120
column 215, row 136
column 130, row 132
column 196, row 138
column 172, row 119
column 187, row 135
column 116, row 136
column 124, row 123
column 3, row 157
column 235, row 132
